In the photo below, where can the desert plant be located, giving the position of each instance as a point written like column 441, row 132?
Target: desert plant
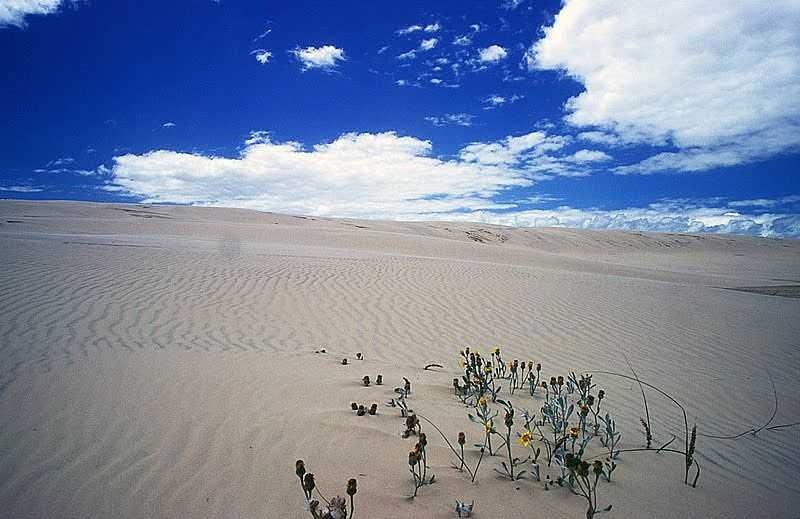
column 582, row 479
column 417, row 459
column 508, row 421
column 336, row 508
column 484, row 417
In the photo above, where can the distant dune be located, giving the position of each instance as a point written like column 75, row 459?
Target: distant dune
column 158, row 361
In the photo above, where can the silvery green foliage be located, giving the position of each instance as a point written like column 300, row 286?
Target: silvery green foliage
column 463, row 509
column 557, row 411
column 610, row 437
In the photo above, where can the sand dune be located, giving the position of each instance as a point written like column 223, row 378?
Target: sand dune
column 159, row 361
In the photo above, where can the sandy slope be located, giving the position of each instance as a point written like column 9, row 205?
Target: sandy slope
column 158, row 361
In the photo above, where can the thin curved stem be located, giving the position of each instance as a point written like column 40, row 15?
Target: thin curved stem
column 641, row 388
column 464, row 464
column 753, row 430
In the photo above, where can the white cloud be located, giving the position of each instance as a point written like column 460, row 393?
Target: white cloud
column 460, row 119
column 326, row 57
column 169, row 124
column 262, row 35
column 383, row 49
column 720, row 84
column 389, row 176
column 766, row 202
column 357, row 175
column 262, row 56
column 409, row 29
column 597, row 137
column 428, row 44
column 433, row 27
column 63, row 161
column 407, row 55
column 14, row 12
column 257, row 137
column 436, row 80
column 462, row 41
column 492, row 54
column 513, row 150
column 495, row 101
column 401, row 82
column 658, row 217
column 584, row 156
column 21, row 189
column 511, row 4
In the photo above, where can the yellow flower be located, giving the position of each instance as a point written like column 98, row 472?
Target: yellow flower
column 495, row 350
column 526, row 438
column 574, row 432
column 461, row 363
column 482, row 402
column 487, row 368
column 488, row 427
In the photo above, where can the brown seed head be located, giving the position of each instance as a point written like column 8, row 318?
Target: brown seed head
column 462, row 439
column 308, row 482
column 299, row 468
column 352, row 487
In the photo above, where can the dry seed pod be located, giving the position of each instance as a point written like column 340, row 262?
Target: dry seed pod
column 359, row 356
column 361, row 410
column 373, row 409
column 354, row 406
column 344, row 362
column 365, row 380
column 352, row 487
column 379, row 380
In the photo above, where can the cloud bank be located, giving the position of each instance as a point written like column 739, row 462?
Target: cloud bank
column 718, row 83
column 385, row 175
column 14, row 12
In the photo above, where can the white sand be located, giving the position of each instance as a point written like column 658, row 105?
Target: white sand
column 158, row 361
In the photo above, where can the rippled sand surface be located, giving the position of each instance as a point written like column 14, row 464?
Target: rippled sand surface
column 159, row 361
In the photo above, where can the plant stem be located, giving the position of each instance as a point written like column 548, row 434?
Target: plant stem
column 510, row 460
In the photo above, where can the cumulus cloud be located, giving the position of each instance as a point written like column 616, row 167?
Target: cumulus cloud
column 513, row 149
column 14, row 12
column 584, row 156
column 262, row 56
column 409, row 29
column 326, row 57
column 428, row 44
column 492, row 54
column 357, row 175
column 463, row 41
column 719, row 84
column 385, row 175
column 433, row 27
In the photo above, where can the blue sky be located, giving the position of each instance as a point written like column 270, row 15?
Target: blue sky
column 586, row 113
